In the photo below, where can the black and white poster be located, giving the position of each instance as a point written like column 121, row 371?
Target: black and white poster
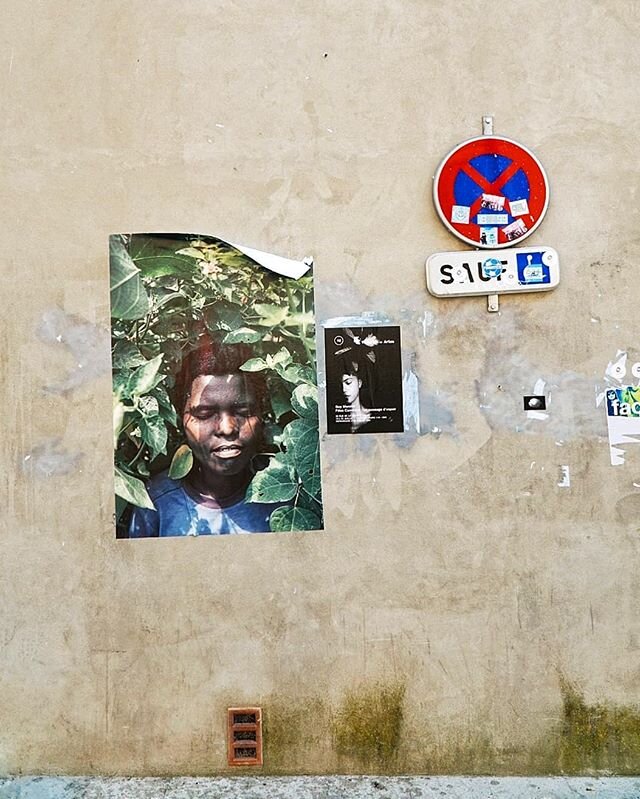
column 364, row 380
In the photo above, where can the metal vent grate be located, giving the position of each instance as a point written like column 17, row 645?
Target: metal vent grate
column 244, row 726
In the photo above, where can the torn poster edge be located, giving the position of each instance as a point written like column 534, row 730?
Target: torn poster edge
column 287, row 267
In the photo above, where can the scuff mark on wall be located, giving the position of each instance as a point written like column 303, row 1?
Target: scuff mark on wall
column 507, row 377
column 87, row 343
column 411, row 398
column 49, row 459
column 437, row 416
column 360, row 320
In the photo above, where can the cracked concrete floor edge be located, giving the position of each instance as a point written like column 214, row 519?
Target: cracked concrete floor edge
column 361, row 787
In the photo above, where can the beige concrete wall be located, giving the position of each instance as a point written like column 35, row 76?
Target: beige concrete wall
column 457, row 591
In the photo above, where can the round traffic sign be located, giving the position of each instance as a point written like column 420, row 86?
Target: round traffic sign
column 491, row 192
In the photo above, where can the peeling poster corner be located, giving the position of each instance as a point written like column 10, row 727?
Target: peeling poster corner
column 214, row 388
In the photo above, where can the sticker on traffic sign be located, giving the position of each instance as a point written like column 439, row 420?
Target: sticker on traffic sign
column 474, row 273
column 491, row 192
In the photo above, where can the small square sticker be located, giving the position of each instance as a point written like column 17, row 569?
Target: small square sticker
column 460, row 214
column 492, row 202
column 515, row 229
column 489, row 236
column 519, row 207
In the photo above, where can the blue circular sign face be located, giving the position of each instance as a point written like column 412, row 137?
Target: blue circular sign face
column 490, row 192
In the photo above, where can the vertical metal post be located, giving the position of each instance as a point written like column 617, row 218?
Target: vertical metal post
column 493, row 302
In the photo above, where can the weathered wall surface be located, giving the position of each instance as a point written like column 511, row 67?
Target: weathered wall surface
column 462, row 612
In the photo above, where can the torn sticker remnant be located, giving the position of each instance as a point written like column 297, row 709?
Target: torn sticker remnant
column 623, row 420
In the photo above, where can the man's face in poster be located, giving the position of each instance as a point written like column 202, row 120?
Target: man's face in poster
column 222, row 423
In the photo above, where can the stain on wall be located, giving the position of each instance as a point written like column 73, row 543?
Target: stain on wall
column 87, row 344
column 597, row 737
column 368, row 724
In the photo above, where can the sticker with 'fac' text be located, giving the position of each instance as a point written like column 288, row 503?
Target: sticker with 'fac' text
column 623, row 419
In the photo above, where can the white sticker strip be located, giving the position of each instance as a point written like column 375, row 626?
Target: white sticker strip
column 493, row 219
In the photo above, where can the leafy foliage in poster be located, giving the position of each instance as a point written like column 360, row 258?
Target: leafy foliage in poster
column 165, row 293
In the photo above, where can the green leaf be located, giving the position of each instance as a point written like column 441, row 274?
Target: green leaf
column 118, row 420
column 254, row 365
column 299, row 319
column 288, row 520
column 132, row 489
column 283, row 356
column 223, row 316
column 157, row 256
column 302, row 441
column 154, row 434
column 298, row 374
column 127, row 355
column 129, row 299
column 148, row 405
column 144, row 378
column 167, row 411
column 181, row 462
column 280, row 399
column 192, row 252
column 119, row 382
column 270, row 315
column 121, row 506
column 276, row 483
column 243, row 335
column 304, row 401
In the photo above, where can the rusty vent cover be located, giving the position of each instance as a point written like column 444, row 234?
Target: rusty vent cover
column 245, row 736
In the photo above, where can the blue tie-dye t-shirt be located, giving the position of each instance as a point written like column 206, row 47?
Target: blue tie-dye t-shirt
column 178, row 513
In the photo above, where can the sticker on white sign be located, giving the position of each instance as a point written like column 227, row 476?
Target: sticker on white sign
column 474, row 273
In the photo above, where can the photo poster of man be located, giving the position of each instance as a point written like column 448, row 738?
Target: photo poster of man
column 215, row 397
column 364, row 380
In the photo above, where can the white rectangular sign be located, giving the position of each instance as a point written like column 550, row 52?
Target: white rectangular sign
column 477, row 272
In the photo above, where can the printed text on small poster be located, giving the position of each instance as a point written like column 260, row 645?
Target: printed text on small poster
column 364, row 380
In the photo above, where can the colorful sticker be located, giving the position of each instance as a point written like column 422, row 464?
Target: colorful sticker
column 515, row 230
column 364, row 380
column 492, row 267
column 531, row 269
column 460, row 214
column 493, row 202
column 519, row 207
column 214, row 389
column 623, row 420
column 489, row 236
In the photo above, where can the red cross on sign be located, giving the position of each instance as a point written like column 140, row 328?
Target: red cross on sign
column 491, row 192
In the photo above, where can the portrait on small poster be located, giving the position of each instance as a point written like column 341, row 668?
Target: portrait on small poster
column 215, row 428
column 364, row 380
